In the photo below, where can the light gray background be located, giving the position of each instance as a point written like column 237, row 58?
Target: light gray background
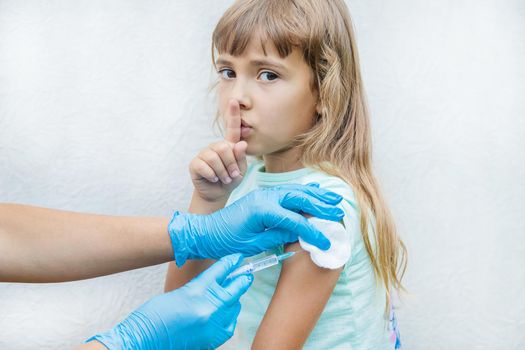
column 104, row 103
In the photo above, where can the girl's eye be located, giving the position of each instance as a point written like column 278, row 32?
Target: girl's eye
column 268, row 76
column 227, row 73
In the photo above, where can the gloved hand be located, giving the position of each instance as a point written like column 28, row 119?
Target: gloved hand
column 200, row 315
column 261, row 220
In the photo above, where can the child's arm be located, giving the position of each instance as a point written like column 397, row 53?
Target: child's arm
column 299, row 299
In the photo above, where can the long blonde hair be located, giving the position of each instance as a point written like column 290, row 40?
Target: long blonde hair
column 340, row 141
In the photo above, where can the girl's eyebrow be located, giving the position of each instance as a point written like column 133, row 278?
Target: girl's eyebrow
column 256, row 63
column 222, row 61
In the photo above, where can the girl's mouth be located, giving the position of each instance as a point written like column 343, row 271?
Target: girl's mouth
column 246, row 129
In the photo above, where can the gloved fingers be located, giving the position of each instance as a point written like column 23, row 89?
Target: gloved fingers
column 275, row 236
column 229, row 319
column 221, row 269
column 225, row 326
column 301, row 202
column 278, row 217
column 314, row 190
column 325, row 195
column 236, row 288
column 292, row 222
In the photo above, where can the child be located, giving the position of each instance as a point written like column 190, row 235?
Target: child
column 290, row 92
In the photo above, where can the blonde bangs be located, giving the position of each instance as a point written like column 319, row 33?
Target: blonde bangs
column 271, row 21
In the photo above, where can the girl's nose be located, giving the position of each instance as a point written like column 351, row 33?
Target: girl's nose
column 241, row 94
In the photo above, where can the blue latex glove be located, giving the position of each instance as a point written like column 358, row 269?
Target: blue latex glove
column 259, row 221
column 200, row 315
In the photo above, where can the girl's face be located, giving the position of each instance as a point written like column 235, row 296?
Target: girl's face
column 275, row 96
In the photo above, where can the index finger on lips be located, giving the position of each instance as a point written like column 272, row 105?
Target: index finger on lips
column 233, row 122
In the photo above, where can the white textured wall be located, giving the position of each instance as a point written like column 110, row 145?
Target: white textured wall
column 103, row 103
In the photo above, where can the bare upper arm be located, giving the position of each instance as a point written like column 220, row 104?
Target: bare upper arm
column 298, row 301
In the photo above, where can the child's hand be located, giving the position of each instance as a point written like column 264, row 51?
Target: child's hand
column 219, row 168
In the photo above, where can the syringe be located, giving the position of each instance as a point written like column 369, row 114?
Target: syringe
column 261, row 264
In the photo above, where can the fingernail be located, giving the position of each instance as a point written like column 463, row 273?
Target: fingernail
column 215, row 179
column 235, row 173
column 227, row 180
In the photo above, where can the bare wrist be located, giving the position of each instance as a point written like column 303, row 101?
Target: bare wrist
column 200, row 205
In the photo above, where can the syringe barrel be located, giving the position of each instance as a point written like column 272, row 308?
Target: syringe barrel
column 254, row 266
column 265, row 262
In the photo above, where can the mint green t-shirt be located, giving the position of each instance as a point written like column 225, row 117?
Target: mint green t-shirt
column 354, row 317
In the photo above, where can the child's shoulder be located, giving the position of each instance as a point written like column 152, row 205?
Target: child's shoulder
column 326, row 181
column 332, row 183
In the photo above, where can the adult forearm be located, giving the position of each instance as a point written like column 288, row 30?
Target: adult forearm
column 46, row 245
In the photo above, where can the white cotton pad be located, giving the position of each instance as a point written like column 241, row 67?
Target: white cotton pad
column 340, row 249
